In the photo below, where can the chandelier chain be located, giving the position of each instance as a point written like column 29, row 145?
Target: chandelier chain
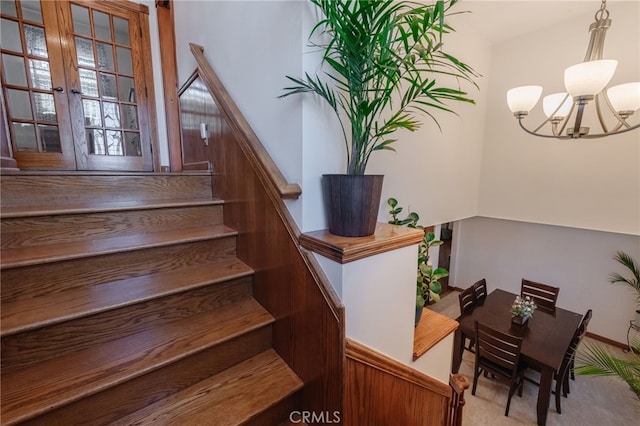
column 600, row 14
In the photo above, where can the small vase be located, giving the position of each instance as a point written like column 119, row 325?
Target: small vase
column 520, row 320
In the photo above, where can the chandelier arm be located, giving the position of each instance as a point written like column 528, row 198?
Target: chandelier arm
column 542, row 125
column 540, row 134
column 601, row 135
column 566, row 119
column 621, row 119
column 578, row 122
column 603, row 125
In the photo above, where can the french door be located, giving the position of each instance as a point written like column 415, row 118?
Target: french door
column 74, row 86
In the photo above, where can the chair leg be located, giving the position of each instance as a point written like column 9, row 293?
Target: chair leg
column 506, row 412
column 565, row 385
column 573, row 376
column 559, row 384
column 521, row 387
column 475, row 380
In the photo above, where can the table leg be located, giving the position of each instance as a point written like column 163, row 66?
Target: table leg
column 544, row 394
column 458, row 348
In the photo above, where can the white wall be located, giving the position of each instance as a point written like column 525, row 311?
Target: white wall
column 251, row 45
column 591, row 184
column 576, row 260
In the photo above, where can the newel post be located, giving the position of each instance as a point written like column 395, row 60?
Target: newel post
column 458, row 384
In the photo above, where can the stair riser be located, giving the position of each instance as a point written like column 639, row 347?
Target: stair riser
column 26, row 232
column 39, row 280
column 30, row 347
column 275, row 414
column 107, row 406
column 61, row 190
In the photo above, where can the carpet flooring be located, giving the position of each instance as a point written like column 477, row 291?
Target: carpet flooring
column 593, row 401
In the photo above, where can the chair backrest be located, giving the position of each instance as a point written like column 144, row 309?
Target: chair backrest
column 582, row 328
column 480, row 288
column 577, row 338
column 496, row 348
column 544, row 295
column 467, row 299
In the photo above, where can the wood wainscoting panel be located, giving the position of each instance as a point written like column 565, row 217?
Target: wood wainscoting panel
column 382, row 391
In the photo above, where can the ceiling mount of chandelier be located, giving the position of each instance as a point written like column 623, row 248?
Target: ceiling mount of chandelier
column 585, row 84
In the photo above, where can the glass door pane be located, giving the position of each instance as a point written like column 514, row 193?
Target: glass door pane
column 108, row 86
column 33, row 85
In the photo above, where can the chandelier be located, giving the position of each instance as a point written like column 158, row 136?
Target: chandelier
column 585, row 84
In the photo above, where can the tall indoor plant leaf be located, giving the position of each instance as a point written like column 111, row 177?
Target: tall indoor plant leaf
column 383, row 58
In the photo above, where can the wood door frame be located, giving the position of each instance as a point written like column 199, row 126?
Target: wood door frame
column 167, row 38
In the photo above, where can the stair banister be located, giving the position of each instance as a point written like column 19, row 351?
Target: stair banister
column 249, row 142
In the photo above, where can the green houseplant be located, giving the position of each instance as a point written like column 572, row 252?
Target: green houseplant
column 427, row 285
column 383, row 57
column 634, row 281
column 596, row 360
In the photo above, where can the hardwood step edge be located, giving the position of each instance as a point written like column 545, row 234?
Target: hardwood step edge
column 111, row 288
column 115, row 206
column 247, row 374
column 80, row 249
column 99, row 173
column 128, row 370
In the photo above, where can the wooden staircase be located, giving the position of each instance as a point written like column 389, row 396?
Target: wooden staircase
column 123, row 302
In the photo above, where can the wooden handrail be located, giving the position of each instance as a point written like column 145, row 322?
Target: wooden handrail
column 260, row 159
column 275, row 184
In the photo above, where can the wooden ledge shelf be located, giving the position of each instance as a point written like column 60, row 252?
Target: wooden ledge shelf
column 347, row 249
column 432, row 328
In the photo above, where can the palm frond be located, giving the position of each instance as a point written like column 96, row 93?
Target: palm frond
column 628, row 262
column 596, row 360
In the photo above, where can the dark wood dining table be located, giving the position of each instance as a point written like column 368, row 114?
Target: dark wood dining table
column 546, row 338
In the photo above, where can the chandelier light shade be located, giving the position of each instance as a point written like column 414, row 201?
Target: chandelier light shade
column 585, row 84
column 524, row 98
column 625, row 98
column 557, row 105
column 589, row 78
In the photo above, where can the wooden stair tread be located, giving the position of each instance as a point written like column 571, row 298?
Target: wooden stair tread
column 101, row 207
column 33, row 312
column 35, row 255
column 57, row 382
column 231, row 397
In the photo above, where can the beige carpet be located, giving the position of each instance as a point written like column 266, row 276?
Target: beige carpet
column 593, row 401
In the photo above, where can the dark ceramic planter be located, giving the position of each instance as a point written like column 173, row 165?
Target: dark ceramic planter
column 521, row 321
column 352, row 203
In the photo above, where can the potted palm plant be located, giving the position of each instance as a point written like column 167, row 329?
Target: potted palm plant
column 383, row 57
column 597, row 360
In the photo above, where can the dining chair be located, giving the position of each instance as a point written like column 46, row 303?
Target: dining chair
column 480, row 288
column 561, row 376
column 498, row 353
column 582, row 329
column 545, row 296
column 467, row 301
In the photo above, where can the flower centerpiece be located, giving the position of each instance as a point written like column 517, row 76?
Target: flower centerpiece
column 522, row 309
